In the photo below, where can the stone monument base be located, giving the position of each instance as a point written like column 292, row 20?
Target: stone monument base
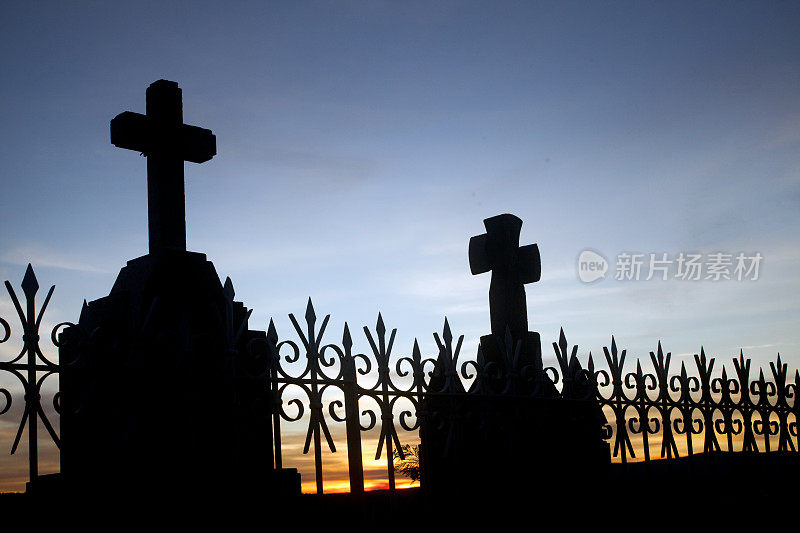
column 159, row 388
column 511, row 447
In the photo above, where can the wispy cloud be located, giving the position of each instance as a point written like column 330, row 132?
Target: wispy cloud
column 42, row 257
column 442, row 286
column 757, row 346
column 234, row 256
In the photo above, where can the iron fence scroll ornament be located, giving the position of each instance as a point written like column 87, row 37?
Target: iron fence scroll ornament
column 32, row 368
column 751, row 415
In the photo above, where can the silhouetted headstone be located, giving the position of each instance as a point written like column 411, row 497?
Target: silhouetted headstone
column 513, row 434
column 160, row 388
column 512, row 267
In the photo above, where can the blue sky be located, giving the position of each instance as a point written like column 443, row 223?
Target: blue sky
column 361, row 144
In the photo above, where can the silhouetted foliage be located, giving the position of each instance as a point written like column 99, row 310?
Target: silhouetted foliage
column 408, row 463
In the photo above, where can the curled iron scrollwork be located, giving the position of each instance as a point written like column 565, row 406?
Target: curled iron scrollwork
column 31, row 367
column 383, row 392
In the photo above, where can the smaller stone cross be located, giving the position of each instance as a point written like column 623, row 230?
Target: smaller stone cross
column 167, row 142
column 512, row 267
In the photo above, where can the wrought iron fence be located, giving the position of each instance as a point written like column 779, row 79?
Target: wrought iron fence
column 698, row 403
column 32, row 368
column 326, row 366
column 325, row 383
column 640, row 404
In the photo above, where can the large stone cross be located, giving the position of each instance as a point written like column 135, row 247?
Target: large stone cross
column 512, row 267
column 167, row 142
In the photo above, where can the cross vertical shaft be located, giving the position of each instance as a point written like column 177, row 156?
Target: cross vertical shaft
column 166, row 202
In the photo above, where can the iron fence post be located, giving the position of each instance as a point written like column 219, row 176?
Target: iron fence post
column 352, row 417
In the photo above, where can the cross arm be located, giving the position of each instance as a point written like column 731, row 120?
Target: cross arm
column 130, row 130
column 137, row 132
column 478, row 258
column 530, row 263
column 198, row 145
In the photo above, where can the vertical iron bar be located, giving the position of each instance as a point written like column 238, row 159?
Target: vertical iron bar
column 390, row 464
column 796, row 407
column 317, row 455
column 644, row 421
column 31, row 392
column 316, row 406
column 387, row 416
column 419, row 379
column 729, row 432
column 352, row 416
column 276, row 422
column 621, row 427
column 275, row 394
column 353, row 428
